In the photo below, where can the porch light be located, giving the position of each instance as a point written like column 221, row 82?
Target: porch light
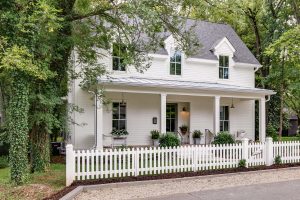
column 184, row 109
column 232, row 106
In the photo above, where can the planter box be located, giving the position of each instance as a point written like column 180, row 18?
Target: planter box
column 197, row 141
column 119, row 141
column 156, row 142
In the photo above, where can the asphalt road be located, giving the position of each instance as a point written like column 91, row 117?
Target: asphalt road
column 289, row 190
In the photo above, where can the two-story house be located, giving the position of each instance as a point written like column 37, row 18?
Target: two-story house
column 213, row 90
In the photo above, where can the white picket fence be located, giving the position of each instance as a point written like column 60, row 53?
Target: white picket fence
column 109, row 163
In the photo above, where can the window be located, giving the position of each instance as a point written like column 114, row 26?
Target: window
column 223, row 67
column 224, row 118
column 175, row 63
column 118, row 61
column 171, row 114
column 119, row 116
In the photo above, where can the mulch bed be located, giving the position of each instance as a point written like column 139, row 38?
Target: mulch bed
column 61, row 159
column 66, row 190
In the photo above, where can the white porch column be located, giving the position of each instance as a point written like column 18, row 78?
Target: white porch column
column 217, row 114
column 262, row 119
column 163, row 107
column 99, row 124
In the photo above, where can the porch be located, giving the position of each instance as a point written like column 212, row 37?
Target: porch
column 166, row 109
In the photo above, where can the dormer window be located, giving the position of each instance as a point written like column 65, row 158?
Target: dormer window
column 175, row 63
column 223, row 67
column 117, row 60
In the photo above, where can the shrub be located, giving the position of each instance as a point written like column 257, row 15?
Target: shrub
column 224, row 138
column 271, row 132
column 277, row 160
column 169, row 140
column 119, row 133
column 197, row 134
column 3, row 162
column 242, row 163
column 155, row 134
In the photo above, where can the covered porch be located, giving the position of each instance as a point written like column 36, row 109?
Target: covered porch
column 155, row 105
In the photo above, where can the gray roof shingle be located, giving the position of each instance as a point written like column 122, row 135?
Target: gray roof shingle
column 210, row 33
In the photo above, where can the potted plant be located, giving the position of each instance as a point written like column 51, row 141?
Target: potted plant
column 119, row 136
column 155, row 137
column 183, row 129
column 197, row 136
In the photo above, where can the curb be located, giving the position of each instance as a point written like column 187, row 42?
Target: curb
column 80, row 189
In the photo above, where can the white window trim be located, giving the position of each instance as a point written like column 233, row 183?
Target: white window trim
column 172, row 52
column 112, row 113
column 222, row 121
column 224, row 67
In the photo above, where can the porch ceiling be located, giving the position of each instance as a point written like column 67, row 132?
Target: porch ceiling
column 180, row 84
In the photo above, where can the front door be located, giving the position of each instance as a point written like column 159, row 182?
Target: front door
column 171, row 117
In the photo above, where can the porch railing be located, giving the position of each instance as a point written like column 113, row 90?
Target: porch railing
column 108, row 163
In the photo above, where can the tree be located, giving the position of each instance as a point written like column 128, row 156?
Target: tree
column 37, row 42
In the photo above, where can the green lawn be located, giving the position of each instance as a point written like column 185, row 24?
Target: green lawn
column 39, row 186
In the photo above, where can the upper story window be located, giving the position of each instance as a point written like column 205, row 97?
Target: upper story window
column 118, row 61
column 175, row 63
column 223, row 67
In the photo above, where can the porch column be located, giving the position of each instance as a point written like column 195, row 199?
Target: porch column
column 262, row 119
column 163, row 107
column 217, row 114
column 99, row 124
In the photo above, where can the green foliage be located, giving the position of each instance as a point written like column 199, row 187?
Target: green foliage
column 118, row 133
column 242, row 163
column 224, row 138
column 197, row 134
column 3, row 162
column 183, row 128
column 277, row 160
column 272, row 132
column 155, row 134
column 169, row 140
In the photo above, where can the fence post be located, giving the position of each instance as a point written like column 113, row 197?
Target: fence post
column 245, row 142
column 269, row 151
column 70, row 164
column 136, row 162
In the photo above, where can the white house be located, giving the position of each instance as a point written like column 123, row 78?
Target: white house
column 213, row 90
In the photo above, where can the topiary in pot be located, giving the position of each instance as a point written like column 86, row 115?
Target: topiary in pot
column 155, row 137
column 169, row 140
column 224, row 137
column 197, row 136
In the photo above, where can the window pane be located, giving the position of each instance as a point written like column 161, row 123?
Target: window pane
column 226, row 126
column 115, row 110
column 225, row 73
column 116, row 63
column 168, row 125
column 178, row 69
column 222, row 113
column 221, row 61
column 226, row 112
column 122, row 111
column 115, row 124
column 178, row 56
column 220, row 72
column 226, row 64
column 221, row 126
column 172, row 125
column 172, row 69
column 122, row 124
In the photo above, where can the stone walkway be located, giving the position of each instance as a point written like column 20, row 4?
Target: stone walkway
column 153, row 189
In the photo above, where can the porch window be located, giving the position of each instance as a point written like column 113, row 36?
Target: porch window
column 175, row 63
column 171, row 114
column 119, row 116
column 223, row 67
column 118, row 61
column 224, row 118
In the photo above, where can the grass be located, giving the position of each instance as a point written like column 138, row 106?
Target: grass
column 39, row 185
column 290, row 138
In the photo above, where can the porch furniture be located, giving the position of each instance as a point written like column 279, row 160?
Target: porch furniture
column 240, row 135
column 184, row 139
column 209, row 136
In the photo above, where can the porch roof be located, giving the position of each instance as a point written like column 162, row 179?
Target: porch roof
column 179, row 84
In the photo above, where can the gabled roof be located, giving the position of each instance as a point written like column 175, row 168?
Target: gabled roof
column 180, row 84
column 209, row 34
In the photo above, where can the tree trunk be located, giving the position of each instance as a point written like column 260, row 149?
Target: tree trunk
column 17, row 125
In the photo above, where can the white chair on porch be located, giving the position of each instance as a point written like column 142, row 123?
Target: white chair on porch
column 240, row 134
column 209, row 136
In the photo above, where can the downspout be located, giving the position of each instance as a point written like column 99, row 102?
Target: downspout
column 95, row 117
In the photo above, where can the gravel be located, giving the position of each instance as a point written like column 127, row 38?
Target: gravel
column 187, row 185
